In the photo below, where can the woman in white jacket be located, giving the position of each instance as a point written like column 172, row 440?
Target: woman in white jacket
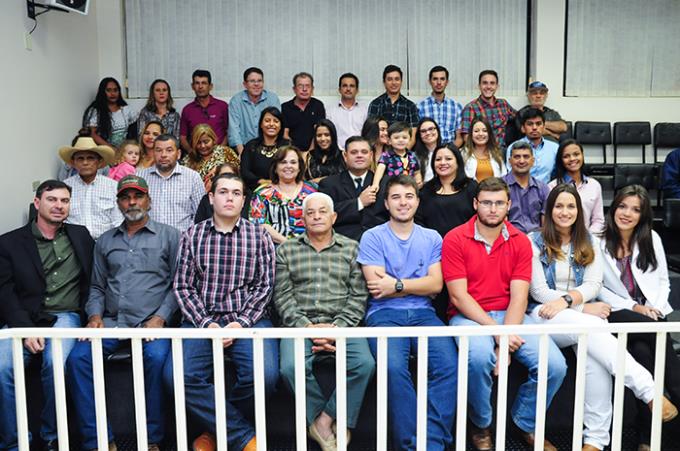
column 636, row 285
column 483, row 158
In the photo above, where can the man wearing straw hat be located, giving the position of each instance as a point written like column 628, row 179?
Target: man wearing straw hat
column 93, row 196
column 134, row 265
column 45, row 269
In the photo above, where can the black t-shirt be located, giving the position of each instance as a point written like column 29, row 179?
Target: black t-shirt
column 300, row 123
column 444, row 212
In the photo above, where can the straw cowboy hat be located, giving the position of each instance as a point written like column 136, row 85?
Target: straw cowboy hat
column 86, row 143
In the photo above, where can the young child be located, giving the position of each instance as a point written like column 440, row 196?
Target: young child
column 127, row 156
column 398, row 159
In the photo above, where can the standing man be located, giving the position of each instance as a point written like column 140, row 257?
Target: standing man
column 545, row 151
column 445, row 111
column 246, row 106
column 176, row 190
column 537, row 94
column 93, row 196
column 351, row 190
column 45, row 269
column 126, row 293
column 496, row 111
column 348, row 115
column 527, row 194
column 205, row 109
column 401, row 262
column 306, row 295
column 302, row 112
column 224, row 279
column 487, row 268
column 393, row 106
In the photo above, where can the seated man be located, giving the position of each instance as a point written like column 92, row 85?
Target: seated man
column 308, row 296
column 93, row 195
column 670, row 177
column 527, row 195
column 45, row 269
column 351, row 190
column 487, row 268
column 544, row 151
column 401, row 264
column 225, row 276
column 131, row 287
column 537, row 94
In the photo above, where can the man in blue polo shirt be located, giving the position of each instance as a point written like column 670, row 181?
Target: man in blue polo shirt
column 401, row 262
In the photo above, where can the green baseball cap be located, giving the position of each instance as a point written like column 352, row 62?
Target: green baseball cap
column 133, row 182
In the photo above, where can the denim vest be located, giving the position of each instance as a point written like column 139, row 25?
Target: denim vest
column 549, row 268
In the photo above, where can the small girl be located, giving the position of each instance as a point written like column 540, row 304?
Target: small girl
column 398, row 159
column 127, row 156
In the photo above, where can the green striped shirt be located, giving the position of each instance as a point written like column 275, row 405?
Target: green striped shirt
column 319, row 287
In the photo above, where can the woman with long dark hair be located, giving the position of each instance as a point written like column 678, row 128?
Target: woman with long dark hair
column 566, row 280
column 637, row 287
column 481, row 153
column 375, row 132
column 428, row 138
column 569, row 167
column 325, row 158
column 108, row 117
column 259, row 153
column 159, row 107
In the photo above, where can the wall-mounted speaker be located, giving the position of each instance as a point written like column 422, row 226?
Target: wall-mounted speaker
column 77, row 6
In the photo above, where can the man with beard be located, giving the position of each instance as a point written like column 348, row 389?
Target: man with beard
column 445, row 111
column 134, row 265
column 45, row 269
column 401, row 262
column 176, row 190
column 486, row 264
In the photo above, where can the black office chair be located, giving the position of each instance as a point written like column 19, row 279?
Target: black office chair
column 671, row 222
column 646, row 175
column 632, row 133
column 666, row 136
column 596, row 133
column 569, row 133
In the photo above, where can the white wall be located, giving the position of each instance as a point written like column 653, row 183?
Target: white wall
column 43, row 95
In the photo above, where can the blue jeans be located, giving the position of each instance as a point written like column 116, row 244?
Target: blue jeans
column 8, row 418
column 482, row 361
column 79, row 373
column 199, row 390
column 442, row 364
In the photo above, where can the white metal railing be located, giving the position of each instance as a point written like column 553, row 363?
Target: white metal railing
column 341, row 334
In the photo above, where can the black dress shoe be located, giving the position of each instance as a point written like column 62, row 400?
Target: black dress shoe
column 52, row 445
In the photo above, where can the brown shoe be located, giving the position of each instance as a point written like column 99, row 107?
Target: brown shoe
column 154, row 447
column 668, row 410
column 588, row 447
column 251, row 445
column 643, row 447
column 530, row 439
column 204, row 442
column 481, row 439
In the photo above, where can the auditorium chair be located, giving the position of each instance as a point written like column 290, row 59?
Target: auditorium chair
column 595, row 133
column 646, row 175
column 671, row 222
column 666, row 136
column 632, row 133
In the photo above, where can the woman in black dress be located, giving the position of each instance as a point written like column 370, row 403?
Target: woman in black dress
column 325, row 158
column 258, row 153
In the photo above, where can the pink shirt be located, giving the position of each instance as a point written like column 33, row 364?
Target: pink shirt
column 121, row 170
column 590, row 192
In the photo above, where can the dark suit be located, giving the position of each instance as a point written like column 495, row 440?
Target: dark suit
column 351, row 221
column 22, row 278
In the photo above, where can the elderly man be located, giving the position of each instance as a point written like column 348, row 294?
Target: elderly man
column 93, row 195
column 176, row 190
column 45, row 271
column 537, row 95
column 302, row 112
column 134, row 265
column 224, row 279
column 319, row 284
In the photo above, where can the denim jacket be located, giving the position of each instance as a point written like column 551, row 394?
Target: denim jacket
column 549, row 268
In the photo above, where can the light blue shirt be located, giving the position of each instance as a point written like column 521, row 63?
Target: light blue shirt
column 544, row 154
column 402, row 259
column 244, row 115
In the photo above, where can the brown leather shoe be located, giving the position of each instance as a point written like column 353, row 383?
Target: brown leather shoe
column 588, row 447
column 668, row 410
column 204, row 442
column 481, row 439
column 530, row 439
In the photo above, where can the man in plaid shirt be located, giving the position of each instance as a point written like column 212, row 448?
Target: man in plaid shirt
column 392, row 106
column 496, row 111
column 225, row 276
column 445, row 111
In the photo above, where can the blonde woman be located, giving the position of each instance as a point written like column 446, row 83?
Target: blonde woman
column 206, row 155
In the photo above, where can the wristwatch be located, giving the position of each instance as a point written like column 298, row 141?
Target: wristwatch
column 399, row 286
column 568, row 299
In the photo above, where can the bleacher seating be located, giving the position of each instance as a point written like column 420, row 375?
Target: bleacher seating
column 632, row 133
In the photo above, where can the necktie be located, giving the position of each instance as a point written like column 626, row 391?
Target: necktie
column 357, row 188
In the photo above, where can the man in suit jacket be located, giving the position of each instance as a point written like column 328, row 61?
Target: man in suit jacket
column 45, row 269
column 357, row 204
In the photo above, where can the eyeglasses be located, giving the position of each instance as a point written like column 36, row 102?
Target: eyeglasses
column 427, row 130
column 490, row 203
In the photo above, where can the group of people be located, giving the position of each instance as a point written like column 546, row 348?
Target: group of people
column 391, row 226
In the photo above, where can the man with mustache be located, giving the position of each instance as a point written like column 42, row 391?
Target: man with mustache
column 134, row 265
column 45, row 269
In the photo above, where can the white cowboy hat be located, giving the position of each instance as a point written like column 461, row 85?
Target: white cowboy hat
column 85, row 143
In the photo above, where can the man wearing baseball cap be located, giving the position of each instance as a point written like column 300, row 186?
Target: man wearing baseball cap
column 134, row 265
column 537, row 94
column 93, row 196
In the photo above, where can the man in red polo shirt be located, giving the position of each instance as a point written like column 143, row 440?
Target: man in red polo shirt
column 486, row 264
column 205, row 109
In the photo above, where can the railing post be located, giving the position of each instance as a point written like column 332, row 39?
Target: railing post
column 140, row 395
column 659, row 367
column 300, row 394
column 542, row 389
column 260, row 397
column 341, row 392
column 220, row 393
column 421, row 399
column 620, row 374
column 580, row 389
column 502, row 402
column 20, row 393
column 381, row 394
column 60, row 393
column 461, row 409
column 178, row 382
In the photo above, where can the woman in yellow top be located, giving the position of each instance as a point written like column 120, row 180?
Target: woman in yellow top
column 482, row 156
column 205, row 156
